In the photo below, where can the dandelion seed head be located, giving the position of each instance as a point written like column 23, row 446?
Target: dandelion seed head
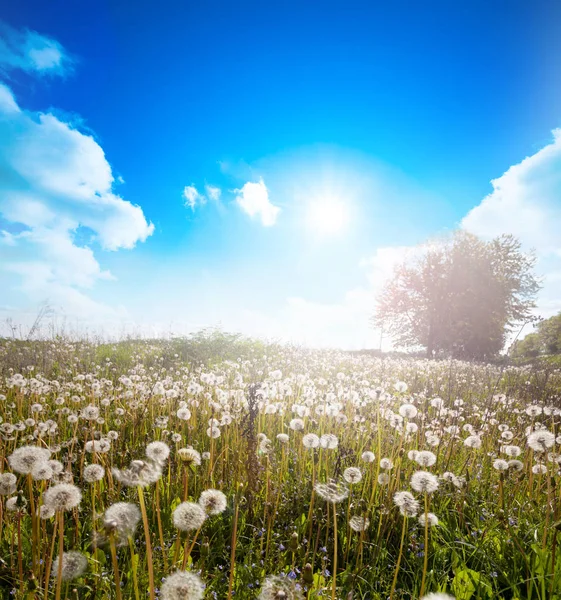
column 368, row 457
column 188, row 516
column 352, row 475
column 93, row 473
column 332, row 492
column 23, row 459
column 7, row 484
column 359, row 523
column 74, row 565
column 432, row 519
column 158, row 452
column 425, row 482
column 280, row 588
column 62, row 496
column 540, row 441
column 310, row 440
column 213, row 502
column 425, row 458
column 182, row 585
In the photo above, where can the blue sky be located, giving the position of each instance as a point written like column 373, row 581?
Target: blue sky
column 172, row 165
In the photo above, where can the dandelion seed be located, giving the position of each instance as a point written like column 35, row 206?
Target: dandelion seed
column 432, row 519
column 328, row 441
column 189, row 456
column 473, row 441
column 188, row 516
column 42, row 472
column 7, row 484
column 158, row 452
column 93, row 473
column 74, row 565
column 310, row 440
column 213, row 502
column 407, row 504
column 296, row 424
column 359, row 523
column 386, row 464
column 182, row 585
column 438, row 596
column 425, row 458
column 280, row 588
column 425, row 482
column 539, row 469
column 408, row 411
column 515, row 465
column 352, row 475
column 383, row 479
column 23, row 459
column 368, row 457
column 283, row 438
column 63, row 496
column 332, row 492
column 122, row 519
column 140, row 473
column 541, row 440
column 500, row 465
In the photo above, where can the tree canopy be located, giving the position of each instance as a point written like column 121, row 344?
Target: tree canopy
column 545, row 341
column 460, row 297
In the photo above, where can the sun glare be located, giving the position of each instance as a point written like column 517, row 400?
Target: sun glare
column 327, row 215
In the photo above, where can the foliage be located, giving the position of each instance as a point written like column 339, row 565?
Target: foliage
column 460, row 297
column 545, row 341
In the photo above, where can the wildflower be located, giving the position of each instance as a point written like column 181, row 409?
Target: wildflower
column 473, row 441
column 352, row 475
column 383, row 479
column 183, row 413
column 42, row 472
column 122, row 519
column 539, row 469
column 386, row 464
column 63, row 496
column 296, row 424
column 90, row 413
column 7, row 484
column 359, row 523
column 189, row 456
column 213, row 432
column 329, row 441
column 432, row 519
column 408, row 411
column 423, row 481
column 158, row 452
column 408, row 506
column 23, row 459
column 182, row 585
column 368, row 457
column 280, row 588
column 310, row 440
column 400, row 387
column 512, row 451
column 438, row 596
column 515, row 465
column 188, row 516
column 46, row 512
column 500, row 465
column 331, row 492
column 140, row 473
column 283, row 438
column 425, row 458
column 74, row 565
column 213, row 502
column 93, row 473
column 541, row 440
column 453, row 479
column 100, row 446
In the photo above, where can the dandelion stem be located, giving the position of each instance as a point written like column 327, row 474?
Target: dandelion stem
column 60, row 553
column 394, row 582
column 115, row 567
column 334, row 584
column 426, row 549
column 148, row 543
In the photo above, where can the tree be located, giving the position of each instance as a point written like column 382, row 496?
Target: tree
column 546, row 340
column 460, row 297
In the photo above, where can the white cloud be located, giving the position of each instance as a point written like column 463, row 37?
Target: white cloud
column 32, row 52
column 253, row 199
column 526, row 202
column 213, row 192
column 56, row 180
column 193, row 197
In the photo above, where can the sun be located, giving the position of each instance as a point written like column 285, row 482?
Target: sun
column 327, row 215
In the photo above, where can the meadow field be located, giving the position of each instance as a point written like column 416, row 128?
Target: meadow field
column 216, row 467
